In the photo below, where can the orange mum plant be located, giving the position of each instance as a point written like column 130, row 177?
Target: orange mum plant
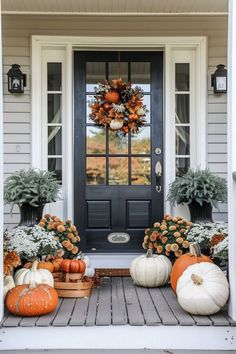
column 65, row 232
column 168, row 237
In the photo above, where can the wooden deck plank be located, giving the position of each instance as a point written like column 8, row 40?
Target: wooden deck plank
column 103, row 317
column 202, row 320
column 150, row 314
column 135, row 316
column 92, row 308
column 79, row 314
column 12, row 321
column 231, row 321
column 28, row 321
column 182, row 316
column 64, row 314
column 119, row 314
column 46, row 320
column 219, row 319
column 166, row 315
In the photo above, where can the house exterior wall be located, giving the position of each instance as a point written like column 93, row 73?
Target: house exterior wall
column 17, row 31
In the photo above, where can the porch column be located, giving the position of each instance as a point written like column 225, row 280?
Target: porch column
column 1, row 174
column 232, row 153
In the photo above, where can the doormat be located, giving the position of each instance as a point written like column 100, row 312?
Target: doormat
column 112, row 272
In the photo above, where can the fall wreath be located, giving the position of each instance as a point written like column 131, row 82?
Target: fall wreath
column 119, row 106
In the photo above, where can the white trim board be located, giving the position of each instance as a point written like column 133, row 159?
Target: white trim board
column 167, row 44
column 119, row 337
column 91, row 14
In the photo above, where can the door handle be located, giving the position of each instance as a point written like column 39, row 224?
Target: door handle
column 158, row 173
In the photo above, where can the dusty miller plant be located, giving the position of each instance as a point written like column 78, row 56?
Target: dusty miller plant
column 33, row 187
column 198, row 186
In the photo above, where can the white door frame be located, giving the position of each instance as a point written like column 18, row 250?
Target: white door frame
column 168, row 45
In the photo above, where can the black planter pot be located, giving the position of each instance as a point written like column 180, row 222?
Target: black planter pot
column 29, row 215
column 200, row 213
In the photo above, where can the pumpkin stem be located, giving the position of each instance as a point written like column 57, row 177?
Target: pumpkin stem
column 197, row 280
column 149, row 253
column 194, row 249
column 34, row 265
column 32, row 284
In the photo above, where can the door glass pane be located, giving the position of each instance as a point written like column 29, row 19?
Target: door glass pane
column 117, row 145
column 54, row 141
column 140, row 75
column 54, row 108
column 182, row 166
column 140, row 143
column 96, row 170
column 117, row 70
column 96, row 140
column 182, row 108
column 140, row 170
column 89, row 98
column 54, row 76
column 146, row 102
column 182, row 77
column 182, row 141
column 118, row 170
column 95, row 72
column 55, row 165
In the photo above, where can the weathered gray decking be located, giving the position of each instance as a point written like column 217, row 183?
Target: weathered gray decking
column 118, row 302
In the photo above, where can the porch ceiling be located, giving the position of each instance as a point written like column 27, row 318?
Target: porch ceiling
column 115, row 7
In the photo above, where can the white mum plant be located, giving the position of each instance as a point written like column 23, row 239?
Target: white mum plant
column 203, row 234
column 31, row 242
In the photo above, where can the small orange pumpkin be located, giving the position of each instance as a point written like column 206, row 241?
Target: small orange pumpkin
column 31, row 300
column 183, row 262
column 73, row 266
column 112, row 97
column 56, row 265
column 46, row 265
column 133, row 117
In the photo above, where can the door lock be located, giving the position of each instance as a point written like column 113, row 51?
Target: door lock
column 158, row 151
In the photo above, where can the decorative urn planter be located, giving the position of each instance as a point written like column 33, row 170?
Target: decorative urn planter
column 200, row 213
column 30, row 215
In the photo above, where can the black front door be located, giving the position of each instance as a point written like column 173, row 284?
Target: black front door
column 118, row 183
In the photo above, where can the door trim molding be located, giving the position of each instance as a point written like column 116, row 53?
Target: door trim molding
column 70, row 43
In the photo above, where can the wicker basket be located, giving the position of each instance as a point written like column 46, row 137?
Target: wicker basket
column 72, row 285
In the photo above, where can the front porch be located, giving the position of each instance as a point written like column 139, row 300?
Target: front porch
column 152, row 317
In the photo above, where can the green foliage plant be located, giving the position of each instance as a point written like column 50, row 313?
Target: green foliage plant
column 201, row 186
column 34, row 187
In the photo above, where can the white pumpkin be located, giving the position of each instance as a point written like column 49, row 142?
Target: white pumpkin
column 89, row 272
column 38, row 276
column 202, row 289
column 116, row 124
column 150, row 270
column 8, row 284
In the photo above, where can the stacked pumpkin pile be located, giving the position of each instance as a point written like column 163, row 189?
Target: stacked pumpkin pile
column 200, row 285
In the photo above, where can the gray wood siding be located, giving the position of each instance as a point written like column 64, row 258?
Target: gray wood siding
column 16, row 49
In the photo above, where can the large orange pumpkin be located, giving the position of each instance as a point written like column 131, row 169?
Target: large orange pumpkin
column 31, row 300
column 112, row 97
column 184, row 261
column 73, row 266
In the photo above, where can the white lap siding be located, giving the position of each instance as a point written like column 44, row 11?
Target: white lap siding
column 17, row 31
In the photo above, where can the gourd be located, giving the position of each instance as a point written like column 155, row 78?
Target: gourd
column 116, row 124
column 202, row 289
column 8, row 284
column 31, row 299
column 89, row 272
column 150, row 270
column 39, row 276
column 46, row 265
column 73, row 266
column 183, row 262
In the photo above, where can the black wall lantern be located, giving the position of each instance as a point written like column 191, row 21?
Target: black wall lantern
column 16, row 79
column 219, row 79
